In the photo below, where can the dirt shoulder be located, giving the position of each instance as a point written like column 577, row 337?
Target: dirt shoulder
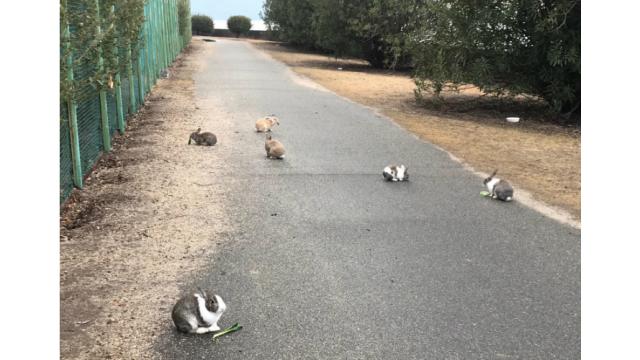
column 536, row 156
column 144, row 223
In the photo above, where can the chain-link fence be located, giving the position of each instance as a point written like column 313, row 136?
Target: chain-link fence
column 112, row 53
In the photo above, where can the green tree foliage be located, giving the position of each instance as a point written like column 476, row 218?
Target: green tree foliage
column 332, row 29
column 201, row 25
column 370, row 29
column 184, row 20
column 239, row 25
column 502, row 46
column 381, row 27
column 93, row 37
column 513, row 47
column 290, row 20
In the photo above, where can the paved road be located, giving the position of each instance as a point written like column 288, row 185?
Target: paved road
column 325, row 260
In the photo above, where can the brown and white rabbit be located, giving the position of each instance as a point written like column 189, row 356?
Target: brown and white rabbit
column 395, row 173
column 274, row 148
column 198, row 312
column 205, row 138
column 498, row 188
column 266, row 123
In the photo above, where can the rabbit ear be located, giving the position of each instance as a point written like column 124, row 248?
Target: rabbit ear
column 198, row 131
column 201, row 292
column 494, row 173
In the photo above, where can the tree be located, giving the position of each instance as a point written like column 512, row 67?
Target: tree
column 370, row 29
column 202, row 25
column 331, row 27
column 239, row 25
column 382, row 25
column 290, row 20
column 503, row 47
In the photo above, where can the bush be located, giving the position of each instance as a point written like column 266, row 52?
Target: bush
column 368, row 29
column 239, row 25
column 201, row 25
column 290, row 20
column 522, row 47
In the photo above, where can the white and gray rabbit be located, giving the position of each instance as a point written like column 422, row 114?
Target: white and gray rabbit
column 205, row 138
column 395, row 173
column 498, row 188
column 198, row 312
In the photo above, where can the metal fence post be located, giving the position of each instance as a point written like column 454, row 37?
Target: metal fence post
column 149, row 58
column 132, row 87
column 156, row 39
column 104, row 114
column 73, row 116
column 140, row 76
column 118, row 84
column 167, row 25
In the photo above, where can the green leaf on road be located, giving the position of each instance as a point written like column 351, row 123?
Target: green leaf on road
column 233, row 328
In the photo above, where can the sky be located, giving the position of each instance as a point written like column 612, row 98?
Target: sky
column 221, row 10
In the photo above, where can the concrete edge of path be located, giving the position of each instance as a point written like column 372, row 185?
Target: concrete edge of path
column 524, row 197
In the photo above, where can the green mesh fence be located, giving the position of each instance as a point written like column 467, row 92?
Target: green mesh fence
column 124, row 80
column 165, row 32
column 89, row 132
column 125, row 93
column 113, row 112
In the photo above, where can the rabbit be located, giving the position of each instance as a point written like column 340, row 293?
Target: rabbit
column 274, row 148
column 198, row 312
column 266, row 123
column 395, row 173
column 498, row 188
column 205, row 138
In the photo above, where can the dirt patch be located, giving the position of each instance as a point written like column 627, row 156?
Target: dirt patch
column 535, row 154
column 137, row 230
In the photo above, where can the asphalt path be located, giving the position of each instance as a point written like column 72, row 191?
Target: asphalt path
column 325, row 260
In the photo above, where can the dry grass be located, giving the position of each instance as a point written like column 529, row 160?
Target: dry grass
column 535, row 154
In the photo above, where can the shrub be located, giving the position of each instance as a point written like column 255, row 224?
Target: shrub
column 239, row 25
column 372, row 30
column 290, row 20
column 522, row 47
column 201, row 25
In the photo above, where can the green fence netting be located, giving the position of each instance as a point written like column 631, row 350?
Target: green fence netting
column 113, row 114
column 166, row 30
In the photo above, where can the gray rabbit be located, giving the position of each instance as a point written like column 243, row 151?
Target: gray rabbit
column 498, row 188
column 198, row 312
column 205, row 138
